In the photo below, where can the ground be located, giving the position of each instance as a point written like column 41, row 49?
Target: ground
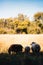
column 21, row 59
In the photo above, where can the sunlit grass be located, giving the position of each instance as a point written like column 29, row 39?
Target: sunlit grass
column 24, row 40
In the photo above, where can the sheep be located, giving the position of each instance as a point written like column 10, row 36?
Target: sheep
column 35, row 47
column 27, row 49
column 15, row 48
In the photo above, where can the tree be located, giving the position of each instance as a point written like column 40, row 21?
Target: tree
column 38, row 16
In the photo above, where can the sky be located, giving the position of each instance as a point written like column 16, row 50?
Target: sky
column 11, row 8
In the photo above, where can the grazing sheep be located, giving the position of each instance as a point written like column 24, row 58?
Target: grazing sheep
column 15, row 48
column 35, row 47
column 27, row 49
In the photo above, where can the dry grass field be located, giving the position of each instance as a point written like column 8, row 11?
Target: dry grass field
column 25, row 40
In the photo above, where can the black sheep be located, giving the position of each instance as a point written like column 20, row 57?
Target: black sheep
column 15, row 48
column 27, row 49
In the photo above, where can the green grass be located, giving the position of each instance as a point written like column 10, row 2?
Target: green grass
column 21, row 59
